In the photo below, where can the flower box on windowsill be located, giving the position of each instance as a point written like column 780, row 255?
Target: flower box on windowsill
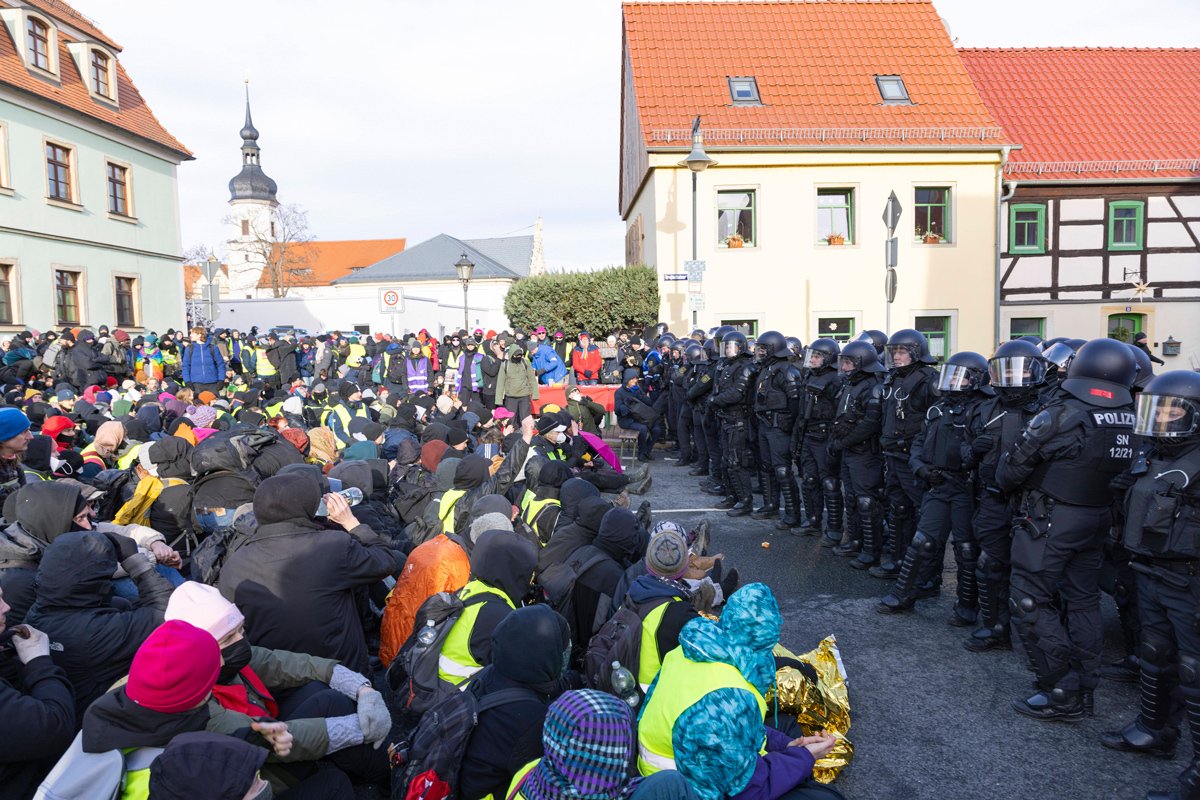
column 734, row 241
column 835, row 240
column 932, row 238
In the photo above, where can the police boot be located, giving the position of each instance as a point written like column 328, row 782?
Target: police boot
column 1056, row 705
column 832, row 491
column 966, row 606
column 813, row 505
column 904, row 594
column 1124, row 671
column 770, row 507
column 790, row 494
column 993, row 634
column 1189, row 779
column 1189, row 786
column 699, row 468
column 872, row 536
column 900, row 528
column 728, row 501
column 886, row 568
column 852, row 546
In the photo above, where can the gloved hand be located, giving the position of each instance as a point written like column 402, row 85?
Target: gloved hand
column 347, row 682
column 373, row 717
column 587, row 373
column 343, row 732
column 983, row 444
column 123, row 545
column 1121, row 483
column 933, row 477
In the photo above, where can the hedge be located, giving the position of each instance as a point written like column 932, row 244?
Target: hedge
column 597, row 302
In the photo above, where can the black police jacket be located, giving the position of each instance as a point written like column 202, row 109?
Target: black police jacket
column 1001, row 419
column 939, row 444
column 907, row 394
column 734, row 392
column 858, row 408
column 699, row 382
column 777, row 389
column 1162, row 509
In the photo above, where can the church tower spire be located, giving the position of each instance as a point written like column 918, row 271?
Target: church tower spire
column 251, row 183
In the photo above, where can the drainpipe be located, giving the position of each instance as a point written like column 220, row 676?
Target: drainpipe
column 1002, row 196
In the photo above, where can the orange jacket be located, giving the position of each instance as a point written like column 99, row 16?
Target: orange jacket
column 439, row 565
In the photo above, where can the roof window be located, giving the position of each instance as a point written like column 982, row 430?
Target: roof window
column 744, row 92
column 892, row 90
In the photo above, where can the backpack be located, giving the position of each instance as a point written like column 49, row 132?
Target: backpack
column 558, row 581
column 412, row 678
column 429, row 762
column 93, row 776
column 620, row 639
column 377, row 369
column 231, row 451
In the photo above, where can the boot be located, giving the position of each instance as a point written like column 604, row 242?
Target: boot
column 886, row 568
column 790, row 519
column 872, row 539
column 901, row 532
column 904, row 594
column 741, row 508
column 1151, row 732
column 700, row 469
column 1189, row 779
column 641, row 486
column 1057, row 705
column 993, row 635
column 1126, row 670
column 833, row 519
column 770, row 507
column 813, row 509
column 727, row 502
column 966, row 606
column 853, row 543
column 703, row 535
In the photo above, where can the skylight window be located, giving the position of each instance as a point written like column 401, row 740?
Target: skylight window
column 892, row 90
column 744, row 92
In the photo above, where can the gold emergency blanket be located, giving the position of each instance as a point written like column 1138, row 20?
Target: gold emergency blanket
column 821, row 707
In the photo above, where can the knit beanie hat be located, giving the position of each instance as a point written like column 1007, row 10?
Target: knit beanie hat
column 348, row 390
column 456, row 436
column 547, row 423
column 203, row 606
column 13, row 423
column 667, row 553
column 174, row 669
column 203, row 416
column 444, row 404
column 489, row 522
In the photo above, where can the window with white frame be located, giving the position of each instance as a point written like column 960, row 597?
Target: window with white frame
column 39, row 43
column 67, row 284
column 100, row 69
column 5, row 179
column 126, row 288
column 118, row 189
column 8, row 277
column 60, row 182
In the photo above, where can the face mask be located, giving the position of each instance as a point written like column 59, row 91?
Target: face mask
column 517, row 357
column 236, row 657
column 558, row 437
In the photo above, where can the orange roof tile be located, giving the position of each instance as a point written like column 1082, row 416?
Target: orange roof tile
column 133, row 116
column 192, row 274
column 329, row 261
column 1094, row 113
column 67, row 15
column 815, row 64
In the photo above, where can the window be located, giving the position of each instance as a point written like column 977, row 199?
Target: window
column 365, row 330
column 66, row 296
column 937, row 331
column 1122, row 327
column 1027, row 326
column 892, row 90
column 840, row 329
column 747, row 326
column 58, row 173
column 744, row 92
column 100, row 82
column 118, row 190
column 835, row 215
column 735, row 219
column 126, row 305
column 6, row 293
column 932, row 207
column 1027, row 228
column 245, row 227
column 39, row 43
column 1125, row 218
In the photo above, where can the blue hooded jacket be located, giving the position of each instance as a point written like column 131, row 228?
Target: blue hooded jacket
column 549, row 367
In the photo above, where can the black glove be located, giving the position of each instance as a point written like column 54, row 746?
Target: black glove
column 983, row 444
column 587, row 373
column 933, row 477
column 123, row 545
column 1122, row 482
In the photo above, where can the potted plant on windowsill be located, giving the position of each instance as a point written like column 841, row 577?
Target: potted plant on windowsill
column 929, row 236
column 835, row 239
column 734, row 240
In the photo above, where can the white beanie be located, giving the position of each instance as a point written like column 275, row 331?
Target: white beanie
column 445, row 404
column 293, row 405
column 203, row 606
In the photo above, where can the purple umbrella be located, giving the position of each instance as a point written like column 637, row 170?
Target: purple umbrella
column 603, row 450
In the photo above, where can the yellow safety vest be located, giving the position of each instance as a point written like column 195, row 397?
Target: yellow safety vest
column 533, row 508
column 449, row 499
column 649, row 662
column 682, row 683
column 355, row 357
column 274, row 410
column 344, row 415
column 126, row 461
column 514, row 788
column 456, row 664
column 262, row 365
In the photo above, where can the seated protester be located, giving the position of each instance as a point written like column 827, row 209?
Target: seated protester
column 502, row 567
column 211, row 766
column 589, row 741
column 37, row 464
column 709, row 698
column 349, row 404
column 551, row 436
column 529, row 651
column 163, row 497
column 62, row 430
column 296, row 580
column 74, row 605
column 634, row 414
column 573, row 492
column 37, row 709
column 457, row 437
column 542, row 510
column 370, row 478
column 613, row 550
column 414, row 478
column 569, row 538
column 445, row 409
column 706, row 578
column 476, row 476
column 102, row 453
column 324, row 704
column 14, row 438
column 365, row 438
column 322, row 447
column 586, row 412
column 401, row 427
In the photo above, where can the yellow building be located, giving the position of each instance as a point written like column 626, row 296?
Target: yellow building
column 814, row 114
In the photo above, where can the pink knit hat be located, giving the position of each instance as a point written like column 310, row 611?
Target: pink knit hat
column 175, row 669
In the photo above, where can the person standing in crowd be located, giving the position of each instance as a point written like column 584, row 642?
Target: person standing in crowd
column 516, row 382
column 203, row 364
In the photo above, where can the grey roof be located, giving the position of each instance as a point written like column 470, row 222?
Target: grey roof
column 434, row 259
column 251, row 183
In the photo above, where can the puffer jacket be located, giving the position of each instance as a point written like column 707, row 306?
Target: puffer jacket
column 438, row 565
column 548, row 366
column 41, row 513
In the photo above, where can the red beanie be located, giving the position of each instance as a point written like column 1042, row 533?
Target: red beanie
column 174, row 669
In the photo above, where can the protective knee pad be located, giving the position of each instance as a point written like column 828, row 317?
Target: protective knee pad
column 810, row 483
column 783, row 475
column 1189, row 674
column 1156, row 651
column 866, row 505
column 966, row 551
column 989, row 568
column 900, row 511
column 924, row 544
column 831, row 485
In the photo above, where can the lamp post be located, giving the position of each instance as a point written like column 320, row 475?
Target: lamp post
column 697, row 161
column 465, row 269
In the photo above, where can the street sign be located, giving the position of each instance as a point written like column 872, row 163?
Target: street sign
column 891, row 213
column 891, row 253
column 210, row 269
column 889, row 285
column 391, row 301
column 696, row 302
column 695, row 270
column 675, row 276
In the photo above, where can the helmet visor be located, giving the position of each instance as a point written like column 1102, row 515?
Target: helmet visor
column 815, row 359
column 954, row 379
column 898, row 355
column 733, row 348
column 1059, row 355
column 1016, row 371
column 1165, row 416
column 847, row 364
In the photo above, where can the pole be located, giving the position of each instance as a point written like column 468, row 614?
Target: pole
column 466, row 320
column 694, row 233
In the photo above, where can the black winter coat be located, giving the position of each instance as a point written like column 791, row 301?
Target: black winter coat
column 37, row 722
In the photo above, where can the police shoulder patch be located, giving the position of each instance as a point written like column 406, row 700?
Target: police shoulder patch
column 705, row 378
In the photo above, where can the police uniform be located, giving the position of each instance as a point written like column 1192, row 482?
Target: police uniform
column 732, row 400
column 820, row 481
column 776, row 407
column 855, row 444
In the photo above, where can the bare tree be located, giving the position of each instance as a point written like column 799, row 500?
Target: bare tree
column 278, row 246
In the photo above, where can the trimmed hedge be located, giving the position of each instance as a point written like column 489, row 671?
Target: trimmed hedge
column 597, row 302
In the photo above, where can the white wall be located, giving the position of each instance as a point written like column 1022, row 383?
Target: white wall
column 1090, row 321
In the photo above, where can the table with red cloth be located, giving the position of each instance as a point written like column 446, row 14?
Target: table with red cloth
column 558, row 395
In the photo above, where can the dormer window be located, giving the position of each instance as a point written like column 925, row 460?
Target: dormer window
column 101, row 80
column 892, row 90
column 744, row 92
column 38, row 36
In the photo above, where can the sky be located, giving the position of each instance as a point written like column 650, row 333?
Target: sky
column 410, row 118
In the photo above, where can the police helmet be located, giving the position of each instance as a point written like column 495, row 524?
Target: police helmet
column 695, row 353
column 823, row 353
column 734, row 344
column 877, row 338
column 1060, row 354
column 720, row 333
column 912, row 342
column 698, row 335
column 1048, row 343
column 963, row 372
column 1169, row 406
column 1016, row 365
column 1102, row 373
column 859, row 357
column 661, row 328
column 773, row 344
column 664, row 340
column 1036, row 341
column 1145, row 367
column 712, row 349
column 796, row 346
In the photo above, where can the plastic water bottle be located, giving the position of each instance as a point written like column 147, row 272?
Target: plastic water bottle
column 624, row 686
column 427, row 634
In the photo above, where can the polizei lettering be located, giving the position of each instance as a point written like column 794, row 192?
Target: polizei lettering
column 1119, row 419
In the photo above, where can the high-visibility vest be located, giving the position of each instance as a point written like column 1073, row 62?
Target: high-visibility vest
column 262, row 365
column 355, row 357
column 649, row 661
column 344, row 416
column 514, row 788
column 456, row 664
column 449, row 499
column 681, row 684
column 533, row 508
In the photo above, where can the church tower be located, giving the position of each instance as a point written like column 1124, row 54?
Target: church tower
column 252, row 198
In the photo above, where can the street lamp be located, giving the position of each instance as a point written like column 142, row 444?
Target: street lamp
column 465, row 269
column 697, row 161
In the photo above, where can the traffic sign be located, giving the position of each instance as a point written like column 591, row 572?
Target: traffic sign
column 891, row 213
column 391, row 301
column 675, row 276
column 696, row 302
column 891, row 252
column 889, row 285
column 695, row 270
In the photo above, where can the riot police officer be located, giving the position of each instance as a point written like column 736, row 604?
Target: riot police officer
column 733, row 399
column 676, row 380
column 878, row 340
column 777, row 407
column 1062, row 463
column 936, row 458
column 797, row 352
column 854, row 442
column 1162, row 523
column 820, row 481
column 716, row 484
column 692, row 450
column 907, row 395
column 1017, row 373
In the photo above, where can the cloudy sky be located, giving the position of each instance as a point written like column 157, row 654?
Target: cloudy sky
column 408, row 118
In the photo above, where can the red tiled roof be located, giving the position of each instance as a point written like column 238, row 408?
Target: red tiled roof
column 329, row 261
column 65, row 14
column 192, row 274
column 133, row 116
column 814, row 63
column 1094, row 113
